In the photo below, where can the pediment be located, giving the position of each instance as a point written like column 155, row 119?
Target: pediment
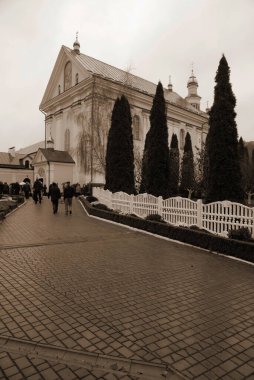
column 67, row 70
column 39, row 158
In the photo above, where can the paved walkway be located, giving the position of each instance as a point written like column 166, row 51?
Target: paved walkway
column 84, row 299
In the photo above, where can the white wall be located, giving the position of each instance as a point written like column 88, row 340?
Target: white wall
column 15, row 175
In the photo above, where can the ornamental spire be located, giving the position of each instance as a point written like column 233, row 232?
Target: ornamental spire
column 76, row 45
column 170, row 86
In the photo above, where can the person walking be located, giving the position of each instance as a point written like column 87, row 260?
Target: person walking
column 55, row 194
column 27, row 189
column 68, row 195
column 37, row 191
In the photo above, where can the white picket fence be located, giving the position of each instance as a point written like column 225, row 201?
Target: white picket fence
column 217, row 217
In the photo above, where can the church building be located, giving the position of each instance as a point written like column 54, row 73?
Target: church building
column 78, row 103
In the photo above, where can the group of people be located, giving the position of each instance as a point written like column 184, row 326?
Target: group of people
column 13, row 188
column 55, row 194
column 38, row 189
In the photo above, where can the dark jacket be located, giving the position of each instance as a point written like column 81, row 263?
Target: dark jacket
column 68, row 192
column 54, row 193
column 37, row 185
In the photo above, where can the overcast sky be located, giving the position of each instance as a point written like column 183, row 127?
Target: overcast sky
column 155, row 38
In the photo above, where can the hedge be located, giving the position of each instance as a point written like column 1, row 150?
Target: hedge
column 235, row 248
column 7, row 206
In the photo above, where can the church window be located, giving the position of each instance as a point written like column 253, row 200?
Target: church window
column 136, row 128
column 59, row 89
column 76, row 78
column 67, row 140
column 67, row 75
column 182, row 135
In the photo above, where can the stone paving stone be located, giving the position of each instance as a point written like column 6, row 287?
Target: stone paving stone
column 18, row 376
column 34, row 377
column 246, row 370
column 28, row 371
column 50, row 374
column 11, row 371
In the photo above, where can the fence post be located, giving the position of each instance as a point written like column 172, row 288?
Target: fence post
column 252, row 235
column 131, row 203
column 199, row 213
column 160, row 205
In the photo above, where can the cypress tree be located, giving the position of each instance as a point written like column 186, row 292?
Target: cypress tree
column 187, row 168
column 173, row 166
column 244, row 164
column 119, row 154
column 224, row 174
column 252, row 169
column 155, row 163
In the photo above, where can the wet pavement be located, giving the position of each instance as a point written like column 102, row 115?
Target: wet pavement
column 85, row 299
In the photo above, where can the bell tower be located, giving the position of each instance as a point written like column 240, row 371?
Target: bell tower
column 193, row 98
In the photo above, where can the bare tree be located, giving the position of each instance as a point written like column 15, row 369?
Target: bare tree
column 137, row 166
column 93, row 132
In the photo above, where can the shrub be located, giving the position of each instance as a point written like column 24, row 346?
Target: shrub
column 155, row 218
column 242, row 233
column 18, row 198
column 214, row 243
column 101, row 206
column 196, row 228
column 133, row 215
column 90, row 199
column 7, row 205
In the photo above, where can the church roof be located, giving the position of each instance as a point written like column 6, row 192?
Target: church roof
column 52, row 155
column 113, row 73
column 6, row 159
column 32, row 148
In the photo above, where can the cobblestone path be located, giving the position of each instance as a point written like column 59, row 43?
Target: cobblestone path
column 84, row 299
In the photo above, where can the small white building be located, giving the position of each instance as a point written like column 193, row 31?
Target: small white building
column 52, row 165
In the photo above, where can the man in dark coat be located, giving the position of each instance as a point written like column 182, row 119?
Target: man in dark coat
column 26, row 188
column 68, row 195
column 55, row 195
column 37, row 191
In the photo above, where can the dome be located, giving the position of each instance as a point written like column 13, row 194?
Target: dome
column 76, row 45
column 192, row 79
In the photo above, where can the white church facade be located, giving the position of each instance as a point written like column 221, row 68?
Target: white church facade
column 78, row 103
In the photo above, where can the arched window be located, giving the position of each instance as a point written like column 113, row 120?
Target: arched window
column 136, row 128
column 67, row 75
column 182, row 136
column 27, row 163
column 76, row 78
column 67, row 140
column 59, row 89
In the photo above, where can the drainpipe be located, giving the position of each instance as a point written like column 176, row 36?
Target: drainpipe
column 44, row 113
column 48, row 174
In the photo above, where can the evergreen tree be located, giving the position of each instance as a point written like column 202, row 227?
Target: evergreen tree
column 205, row 169
column 187, row 169
column 224, row 174
column 252, row 171
column 173, row 166
column 244, row 165
column 119, row 155
column 155, row 163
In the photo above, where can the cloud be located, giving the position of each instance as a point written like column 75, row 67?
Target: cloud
column 156, row 39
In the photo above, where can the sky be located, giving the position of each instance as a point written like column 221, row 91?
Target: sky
column 151, row 38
